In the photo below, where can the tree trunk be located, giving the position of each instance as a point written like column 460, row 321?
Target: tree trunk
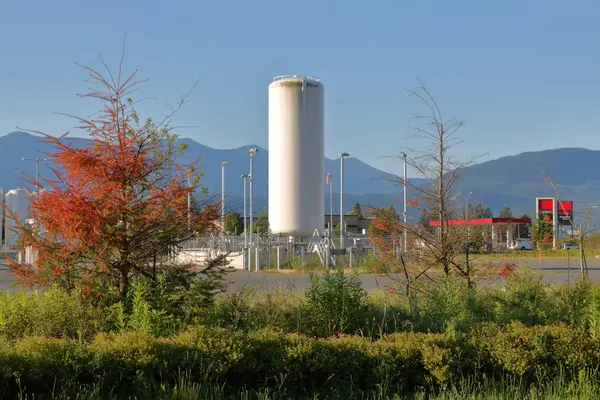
column 469, row 281
column 583, row 263
column 124, row 285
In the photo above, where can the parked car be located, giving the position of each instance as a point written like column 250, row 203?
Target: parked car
column 570, row 246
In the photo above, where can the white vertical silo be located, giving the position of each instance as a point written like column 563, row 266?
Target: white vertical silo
column 18, row 204
column 1, row 214
column 296, row 155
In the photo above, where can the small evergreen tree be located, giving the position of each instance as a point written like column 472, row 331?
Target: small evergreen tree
column 356, row 210
column 506, row 212
column 262, row 223
column 234, row 223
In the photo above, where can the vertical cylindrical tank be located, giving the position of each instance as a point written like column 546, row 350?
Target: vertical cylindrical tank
column 1, row 215
column 18, row 204
column 296, row 155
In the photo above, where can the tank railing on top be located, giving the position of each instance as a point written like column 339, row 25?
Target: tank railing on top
column 282, row 77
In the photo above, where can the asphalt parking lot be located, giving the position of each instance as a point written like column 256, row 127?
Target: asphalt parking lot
column 553, row 270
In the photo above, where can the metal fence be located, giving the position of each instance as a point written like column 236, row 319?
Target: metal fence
column 284, row 252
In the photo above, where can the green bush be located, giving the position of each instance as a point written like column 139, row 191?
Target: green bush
column 52, row 313
column 124, row 364
column 524, row 298
column 335, row 304
column 451, row 305
column 538, row 351
column 569, row 302
column 248, row 310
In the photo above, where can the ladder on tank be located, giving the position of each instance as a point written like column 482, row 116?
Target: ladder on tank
column 322, row 246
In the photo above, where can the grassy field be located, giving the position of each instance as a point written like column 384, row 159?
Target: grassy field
column 521, row 339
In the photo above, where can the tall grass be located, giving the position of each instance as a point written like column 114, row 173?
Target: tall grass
column 584, row 387
column 335, row 304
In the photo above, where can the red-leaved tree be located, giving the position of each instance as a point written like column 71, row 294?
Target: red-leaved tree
column 114, row 204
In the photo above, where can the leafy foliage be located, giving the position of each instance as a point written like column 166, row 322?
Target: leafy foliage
column 114, row 205
column 541, row 232
column 335, row 303
column 356, row 210
column 262, row 223
column 234, row 223
column 130, row 363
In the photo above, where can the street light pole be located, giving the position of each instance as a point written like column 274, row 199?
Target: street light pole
column 341, row 156
column 37, row 160
column 223, row 165
column 251, row 153
column 330, row 207
column 244, row 177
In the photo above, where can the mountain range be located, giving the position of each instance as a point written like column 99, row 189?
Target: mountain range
column 512, row 181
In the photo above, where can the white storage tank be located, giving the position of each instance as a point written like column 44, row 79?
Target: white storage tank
column 17, row 201
column 1, row 215
column 296, row 155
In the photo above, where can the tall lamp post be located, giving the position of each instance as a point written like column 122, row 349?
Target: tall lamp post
column 37, row 160
column 341, row 156
column 244, row 178
column 223, row 165
column 403, row 155
column 328, row 182
column 251, row 153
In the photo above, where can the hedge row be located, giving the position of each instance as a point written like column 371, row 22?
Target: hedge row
column 402, row 362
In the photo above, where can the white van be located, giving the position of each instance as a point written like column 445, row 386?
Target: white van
column 522, row 244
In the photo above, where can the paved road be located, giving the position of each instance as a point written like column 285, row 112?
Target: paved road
column 554, row 270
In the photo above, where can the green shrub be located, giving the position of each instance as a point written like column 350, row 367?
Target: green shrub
column 569, row 302
column 42, row 363
column 52, row 313
column 274, row 359
column 335, row 304
column 591, row 311
column 451, row 305
column 399, row 361
column 133, row 363
column 538, row 351
column 206, row 348
column 524, row 299
column 248, row 309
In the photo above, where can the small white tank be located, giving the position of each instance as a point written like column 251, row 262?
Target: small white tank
column 296, row 155
column 19, row 203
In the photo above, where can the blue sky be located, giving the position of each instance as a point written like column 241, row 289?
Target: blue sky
column 524, row 74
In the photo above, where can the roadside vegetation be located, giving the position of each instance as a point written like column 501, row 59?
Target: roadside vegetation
column 119, row 318
column 334, row 341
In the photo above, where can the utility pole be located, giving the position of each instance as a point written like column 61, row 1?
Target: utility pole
column 223, row 165
column 341, row 156
column 588, row 218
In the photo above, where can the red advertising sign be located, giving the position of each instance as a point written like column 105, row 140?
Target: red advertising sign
column 546, row 205
column 545, row 208
column 565, row 212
